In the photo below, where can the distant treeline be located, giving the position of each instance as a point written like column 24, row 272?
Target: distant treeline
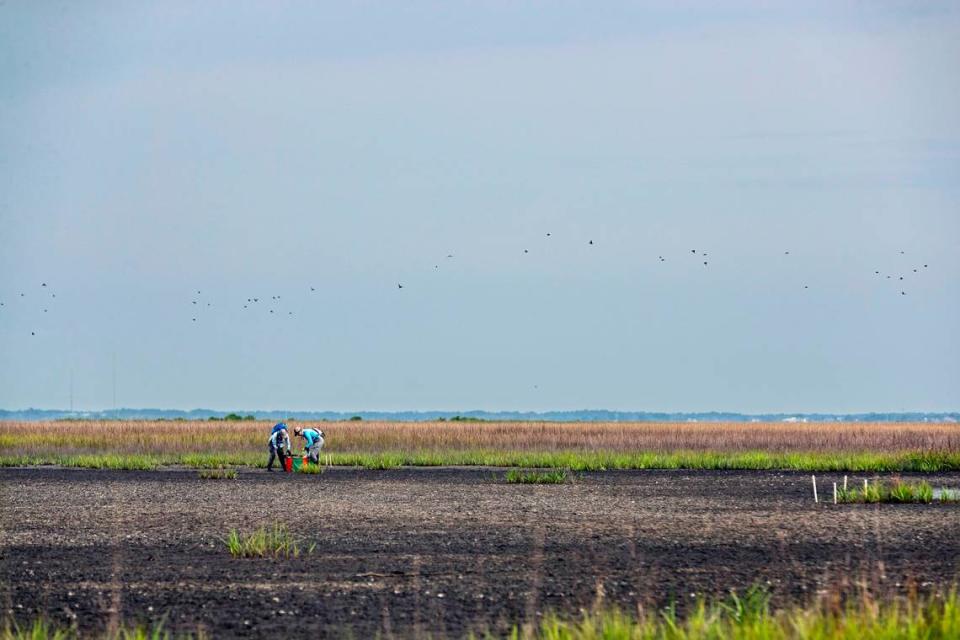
column 587, row 415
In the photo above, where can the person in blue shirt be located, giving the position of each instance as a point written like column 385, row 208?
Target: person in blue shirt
column 313, row 442
column 279, row 446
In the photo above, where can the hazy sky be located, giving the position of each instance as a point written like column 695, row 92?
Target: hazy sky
column 150, row 150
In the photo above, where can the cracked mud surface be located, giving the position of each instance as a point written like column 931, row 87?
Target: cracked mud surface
column 440, row 551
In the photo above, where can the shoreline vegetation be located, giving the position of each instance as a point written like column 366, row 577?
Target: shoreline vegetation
column 905, row 447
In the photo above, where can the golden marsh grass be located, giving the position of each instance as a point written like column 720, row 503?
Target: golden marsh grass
column 178, row 438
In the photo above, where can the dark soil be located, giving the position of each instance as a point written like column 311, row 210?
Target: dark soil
column 440, row 552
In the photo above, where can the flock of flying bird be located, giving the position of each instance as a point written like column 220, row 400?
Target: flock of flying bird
column 47, row 296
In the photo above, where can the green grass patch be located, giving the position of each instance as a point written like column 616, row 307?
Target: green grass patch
column 572, row 460
column 750, row 617
column 275, row 541
column 42, row 629
column 554, row 476
column 895, row 491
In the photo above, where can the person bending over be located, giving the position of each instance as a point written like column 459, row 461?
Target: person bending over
column 313, row 442
column 279, row 445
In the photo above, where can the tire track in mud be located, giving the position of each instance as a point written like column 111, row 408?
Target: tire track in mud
column 537, row 545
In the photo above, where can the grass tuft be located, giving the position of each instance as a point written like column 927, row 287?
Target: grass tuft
column 276, row 542
column 556, row 476
column 218, row 474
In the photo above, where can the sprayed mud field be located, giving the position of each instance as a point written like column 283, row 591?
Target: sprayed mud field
column 441, row 552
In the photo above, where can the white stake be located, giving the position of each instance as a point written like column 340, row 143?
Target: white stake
column 864, row 486
column 814, row 478
column 834, row 493
column 844, row 483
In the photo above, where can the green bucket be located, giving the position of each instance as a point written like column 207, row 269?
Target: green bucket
column 298, row 462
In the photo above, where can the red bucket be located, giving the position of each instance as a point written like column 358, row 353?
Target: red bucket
column 288, row 464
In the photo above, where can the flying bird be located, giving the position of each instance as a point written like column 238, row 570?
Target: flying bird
column 591, row 242
column 399, row 286
column 44, row 284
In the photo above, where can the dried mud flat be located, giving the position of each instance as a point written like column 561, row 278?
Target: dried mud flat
column 440, row 552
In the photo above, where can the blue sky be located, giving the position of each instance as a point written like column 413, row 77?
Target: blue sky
column 151, row 150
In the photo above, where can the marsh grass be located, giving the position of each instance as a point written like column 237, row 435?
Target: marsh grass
column 181, row 438
column 555, row 476
column 904, row 447
column 275, row 541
